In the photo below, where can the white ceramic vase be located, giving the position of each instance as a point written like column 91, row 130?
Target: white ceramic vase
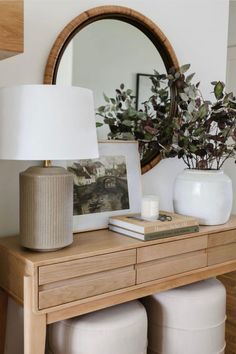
column 204, row 194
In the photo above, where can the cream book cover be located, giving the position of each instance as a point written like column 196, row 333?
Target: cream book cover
column 134, row 222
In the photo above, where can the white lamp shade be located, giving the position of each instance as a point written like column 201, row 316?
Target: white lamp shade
column 47, row 122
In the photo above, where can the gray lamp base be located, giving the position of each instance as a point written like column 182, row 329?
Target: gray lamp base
column 46, row 208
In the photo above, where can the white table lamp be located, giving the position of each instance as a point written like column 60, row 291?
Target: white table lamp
column 46, row 122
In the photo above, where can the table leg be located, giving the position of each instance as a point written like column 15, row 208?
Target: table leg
column 34, row 324
column 3, row 318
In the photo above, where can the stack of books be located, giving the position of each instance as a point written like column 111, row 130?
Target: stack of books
column 134, row 226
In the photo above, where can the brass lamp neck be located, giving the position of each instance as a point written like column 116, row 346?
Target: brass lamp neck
column 47, row 163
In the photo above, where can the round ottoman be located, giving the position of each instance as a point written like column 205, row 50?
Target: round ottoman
column 120, row 329
column 187, row 320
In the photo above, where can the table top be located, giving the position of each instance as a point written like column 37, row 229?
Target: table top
column 88, row 244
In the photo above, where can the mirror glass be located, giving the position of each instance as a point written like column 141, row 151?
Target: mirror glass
column 106, row 53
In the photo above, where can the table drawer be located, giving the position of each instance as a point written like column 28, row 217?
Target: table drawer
column 170, row 266
column 85, row 266
column 65, row 291
column 222, row 253
column 149, row 253
column 222, row 238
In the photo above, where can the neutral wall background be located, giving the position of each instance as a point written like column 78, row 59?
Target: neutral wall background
column 192, row 27
column 229, row 166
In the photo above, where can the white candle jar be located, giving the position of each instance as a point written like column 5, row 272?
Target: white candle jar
column 150, row 207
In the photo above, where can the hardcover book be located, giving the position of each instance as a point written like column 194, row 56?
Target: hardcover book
column 154, row 235
column 133, row 225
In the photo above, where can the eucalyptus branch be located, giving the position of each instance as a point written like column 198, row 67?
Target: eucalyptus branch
column 197, row 131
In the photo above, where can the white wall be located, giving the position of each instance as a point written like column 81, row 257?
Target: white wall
column 231, row 54
column 197, row 30
column 192, row 26
column 229, row 166
column 231, row 68
column 232, row 25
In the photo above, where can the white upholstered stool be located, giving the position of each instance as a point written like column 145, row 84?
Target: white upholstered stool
column 120, row 329
column 187, row 320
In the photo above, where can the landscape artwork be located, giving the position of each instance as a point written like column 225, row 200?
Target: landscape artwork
column 100, row 185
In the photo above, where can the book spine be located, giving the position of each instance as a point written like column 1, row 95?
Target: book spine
column 169, row 233
column 168, row 227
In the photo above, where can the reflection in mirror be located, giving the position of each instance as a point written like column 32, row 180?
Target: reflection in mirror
column 105, row 47
column 143, row 88
column 105, row 54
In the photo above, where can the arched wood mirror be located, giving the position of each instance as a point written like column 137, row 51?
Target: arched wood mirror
column 106, row 46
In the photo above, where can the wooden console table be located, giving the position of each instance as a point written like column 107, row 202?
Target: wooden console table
column 102, row 269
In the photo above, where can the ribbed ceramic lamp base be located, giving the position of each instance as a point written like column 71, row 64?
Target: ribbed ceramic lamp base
column 46, row 208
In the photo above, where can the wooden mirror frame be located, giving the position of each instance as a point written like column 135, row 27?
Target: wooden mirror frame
column 125, row 14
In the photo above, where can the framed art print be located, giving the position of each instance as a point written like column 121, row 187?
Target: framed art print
column 106, row 186
column 143, row 89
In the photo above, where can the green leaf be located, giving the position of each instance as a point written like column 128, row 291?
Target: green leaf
column 203, row 111
column 193, row 148
column 98, row 125
column 189, row 78
column 192, row 93
column 106, row 98
column 122, row 86
column 113, row 101
column 127, row 123
column 128, row 92
column 109, row 121
column 101, row 109
column 218, row 90
column 184, row 68
column 191, row 108
column 148, row 136
column 142, row 115
column 198, row 132
column 183, row 96
column 127, row 136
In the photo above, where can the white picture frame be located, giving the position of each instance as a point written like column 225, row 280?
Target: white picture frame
column 117, row 149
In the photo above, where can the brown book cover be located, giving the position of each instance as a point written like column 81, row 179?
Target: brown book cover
column 135, row 223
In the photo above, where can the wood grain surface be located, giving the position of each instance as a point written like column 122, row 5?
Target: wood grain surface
column 11, row 28
column 229, row 281
column 101, row 269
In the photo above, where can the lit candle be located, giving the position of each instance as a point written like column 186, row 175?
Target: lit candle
column 150, row 207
